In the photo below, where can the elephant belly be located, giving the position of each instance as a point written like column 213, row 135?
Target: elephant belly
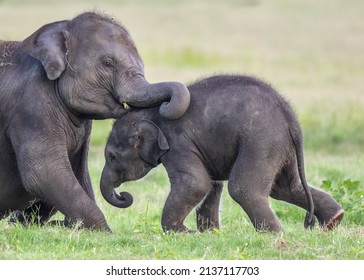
column 219, row 162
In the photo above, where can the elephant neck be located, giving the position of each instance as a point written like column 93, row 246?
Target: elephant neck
column 71, row 116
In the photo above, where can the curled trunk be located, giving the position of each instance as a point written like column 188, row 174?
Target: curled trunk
column 174, row 97
column 110, row 181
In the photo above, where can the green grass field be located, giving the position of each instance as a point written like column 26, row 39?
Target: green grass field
column 311, row 51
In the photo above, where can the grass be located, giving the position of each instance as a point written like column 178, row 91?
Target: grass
column 235, row 243
column 311, row 51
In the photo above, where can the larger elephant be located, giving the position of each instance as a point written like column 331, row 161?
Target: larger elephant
column 52, row 85
column 237, row 128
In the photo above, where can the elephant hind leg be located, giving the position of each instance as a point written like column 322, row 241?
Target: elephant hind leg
column 288, row 188
column 207, row 212
column 334, row 221
column 249, row 185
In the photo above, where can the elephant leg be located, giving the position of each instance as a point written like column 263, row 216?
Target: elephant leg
column 288, row 188
column 59, row 187
column 249, row 185
column 190, row 183
column 79, row 164
column 207, row 212
column 38, row 213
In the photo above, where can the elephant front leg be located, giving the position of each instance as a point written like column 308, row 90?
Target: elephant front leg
column 48, row 175
column 79, row 163
column 188, row 188
column 70, row 199
column 207, row 212
column 174, row 214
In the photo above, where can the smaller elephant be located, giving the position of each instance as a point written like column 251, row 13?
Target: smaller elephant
column 237, row 128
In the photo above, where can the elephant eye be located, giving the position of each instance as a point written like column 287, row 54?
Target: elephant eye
column 108, row 63
column 112, row 157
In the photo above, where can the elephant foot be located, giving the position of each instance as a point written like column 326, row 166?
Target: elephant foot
column 207, row 225
column 19, row 217
column 69, row 223
column 179, row 229
column 334, row 221
column 16, row 217
column 209, row 229
column 58, row 223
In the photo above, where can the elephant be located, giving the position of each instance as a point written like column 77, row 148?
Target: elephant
column 53, row 84
column 237, row 128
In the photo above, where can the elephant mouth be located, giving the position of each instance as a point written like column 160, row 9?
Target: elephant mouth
column 125, row 106
column 118, row 109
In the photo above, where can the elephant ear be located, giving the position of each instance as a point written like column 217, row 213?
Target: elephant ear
column 48, row 45
column 150, row 142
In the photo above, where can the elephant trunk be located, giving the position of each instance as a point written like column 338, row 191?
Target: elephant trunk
column 174, row 97
column 110, row 181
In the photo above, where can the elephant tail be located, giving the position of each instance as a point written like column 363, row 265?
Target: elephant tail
column 297, row 142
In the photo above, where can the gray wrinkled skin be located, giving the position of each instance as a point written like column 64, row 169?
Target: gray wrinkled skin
column 238, row 129
column 51, row 85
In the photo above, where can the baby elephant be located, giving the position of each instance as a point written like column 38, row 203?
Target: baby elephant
column 237, row 128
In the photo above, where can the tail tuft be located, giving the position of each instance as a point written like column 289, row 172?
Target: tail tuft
column 309, row 221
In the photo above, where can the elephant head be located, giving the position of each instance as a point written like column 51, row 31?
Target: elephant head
column 97, row 69
column 132, row 150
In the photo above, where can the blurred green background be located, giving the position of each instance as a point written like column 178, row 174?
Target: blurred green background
column 311, row 51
